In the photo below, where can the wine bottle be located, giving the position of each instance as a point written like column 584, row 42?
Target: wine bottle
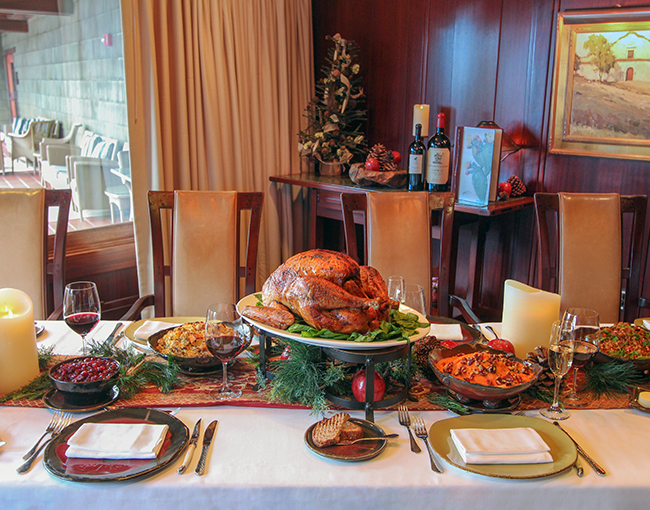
column 438, row 158
column 417, row 149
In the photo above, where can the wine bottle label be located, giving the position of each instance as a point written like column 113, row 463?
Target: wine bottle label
column 416, row 162
column 438, row 165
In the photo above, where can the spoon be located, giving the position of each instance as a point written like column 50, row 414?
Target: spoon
column 491, row 330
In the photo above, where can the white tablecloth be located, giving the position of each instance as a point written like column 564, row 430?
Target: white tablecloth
column 258, row 460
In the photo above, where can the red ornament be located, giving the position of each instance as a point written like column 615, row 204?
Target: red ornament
column 286, row 353
column 448, row 344
column 505, row 187
column 397, row 157
column 502, row 345
column 359, row 386
column 372, row 165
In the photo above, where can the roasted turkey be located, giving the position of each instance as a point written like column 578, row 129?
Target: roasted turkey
column 328, row 289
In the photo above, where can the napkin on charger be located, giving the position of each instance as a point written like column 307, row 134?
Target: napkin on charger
column 646, row 324
column 521, row 445
column 116, row 441
column 446, row 331
column 148, row 328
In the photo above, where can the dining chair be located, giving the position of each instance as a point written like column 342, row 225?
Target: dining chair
column 202, row 263
column 397, row 232
column 24, row 231
column 590, row 248
column 25, row 145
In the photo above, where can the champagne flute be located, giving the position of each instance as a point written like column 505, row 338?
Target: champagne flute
column 81, row 308
column 396, row 288
column 560, row 357
column 587, row 342
column 414, row 297
column 226, row 336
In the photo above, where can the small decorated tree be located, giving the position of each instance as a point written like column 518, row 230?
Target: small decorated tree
column 336, row 115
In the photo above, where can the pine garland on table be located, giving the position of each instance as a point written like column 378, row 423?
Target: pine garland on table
column 613, row 377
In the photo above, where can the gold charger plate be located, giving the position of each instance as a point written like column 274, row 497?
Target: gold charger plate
column 351, row 452
column 130, row 330
column 563, row 450
column 639, row 322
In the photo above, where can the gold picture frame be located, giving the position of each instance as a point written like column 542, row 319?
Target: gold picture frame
column 601, row 84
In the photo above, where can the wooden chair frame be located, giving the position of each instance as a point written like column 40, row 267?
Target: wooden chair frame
column 162, row 201
column 355, row 204
column 56, row 269
column 633, row 217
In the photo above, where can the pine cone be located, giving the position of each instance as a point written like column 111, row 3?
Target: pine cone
column 546, row 378
column 384, row 157
column 422, row 349
column 518, row 187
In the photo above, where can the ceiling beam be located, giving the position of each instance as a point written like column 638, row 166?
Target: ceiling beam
column 33, row 7
column 13, row 25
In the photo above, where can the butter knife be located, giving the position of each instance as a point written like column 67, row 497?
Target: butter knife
column 109, row 338
column 207, row 439
column 190, row 448
column 589, row 460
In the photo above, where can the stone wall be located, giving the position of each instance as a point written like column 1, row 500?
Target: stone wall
column 66, row 73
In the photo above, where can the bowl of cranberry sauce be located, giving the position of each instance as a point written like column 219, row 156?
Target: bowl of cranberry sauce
column 86, row 379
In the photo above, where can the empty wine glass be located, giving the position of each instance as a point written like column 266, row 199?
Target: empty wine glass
column 81, row 308
column 396, row 288
column 560, row 357
column 226, row 336
column 587, row 342
column 414, row 297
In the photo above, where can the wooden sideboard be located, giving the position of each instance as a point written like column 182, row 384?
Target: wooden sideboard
column 325, row 230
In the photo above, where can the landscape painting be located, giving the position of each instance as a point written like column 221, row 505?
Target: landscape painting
column 602, row 88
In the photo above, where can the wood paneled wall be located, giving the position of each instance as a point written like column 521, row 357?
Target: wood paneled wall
column 475, row 60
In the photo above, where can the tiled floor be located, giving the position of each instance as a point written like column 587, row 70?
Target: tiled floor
column 23, row 177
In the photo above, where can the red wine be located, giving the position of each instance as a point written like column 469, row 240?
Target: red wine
column 583, row 352
column 438, row 158
column 226, row 347
column 417, row 150
column 82, row 323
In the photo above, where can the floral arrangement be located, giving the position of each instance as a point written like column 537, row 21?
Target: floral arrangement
column 336, row 115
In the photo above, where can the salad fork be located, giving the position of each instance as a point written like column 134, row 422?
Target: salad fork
column 405, row 420
column 65, row 420
column 52, row 425
column 421, row 432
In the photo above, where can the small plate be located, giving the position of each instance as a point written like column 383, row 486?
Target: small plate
column 635, row 404
column 130, row 330
column 54, row 399
column 351, row 452
column 102, row 470
column 563, row 450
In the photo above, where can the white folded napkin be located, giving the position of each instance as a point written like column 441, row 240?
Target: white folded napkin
column 646, row 324
column 521, row 445
column 148, row 328
column 446, row 331
column 116, row 441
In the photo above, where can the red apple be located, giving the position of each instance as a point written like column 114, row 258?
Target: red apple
column 372, row 165
column 505, row 187
column 502, row 345
column 448, row 344
column 359, row 386
column 397, row 157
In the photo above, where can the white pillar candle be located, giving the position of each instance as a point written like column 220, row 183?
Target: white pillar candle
column 18, row 351
column 421, row 116
column 528, row 315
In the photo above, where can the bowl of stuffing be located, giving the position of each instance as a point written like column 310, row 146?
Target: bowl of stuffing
column 478, row 372
column 624, row 342
column 186, row 345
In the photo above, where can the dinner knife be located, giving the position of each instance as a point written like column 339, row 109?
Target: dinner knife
column 207, row 439
column 109, row 338
column 190, row 448
column 589, row 460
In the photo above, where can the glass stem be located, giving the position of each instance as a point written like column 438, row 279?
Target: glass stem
column 556, row 396
column 574, row 389
column 83, row 344
column 224, row 386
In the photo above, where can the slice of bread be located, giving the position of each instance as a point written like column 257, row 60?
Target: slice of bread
column 327, row 432
column 350, row 432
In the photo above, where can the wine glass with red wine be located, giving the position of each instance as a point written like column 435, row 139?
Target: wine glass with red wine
column 81, row 308
column 226, row 336
column 587, row 343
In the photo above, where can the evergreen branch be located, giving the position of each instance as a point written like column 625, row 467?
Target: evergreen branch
column 449, row 403
column 612, row 377
column 540, row 393
column 33, row 390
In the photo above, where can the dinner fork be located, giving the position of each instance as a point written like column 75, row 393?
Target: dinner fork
column 405, row 420
column 421, row 432
column 53, row 422
column 65, row 420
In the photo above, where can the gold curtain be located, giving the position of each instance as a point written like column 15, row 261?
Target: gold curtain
column 216, row 91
